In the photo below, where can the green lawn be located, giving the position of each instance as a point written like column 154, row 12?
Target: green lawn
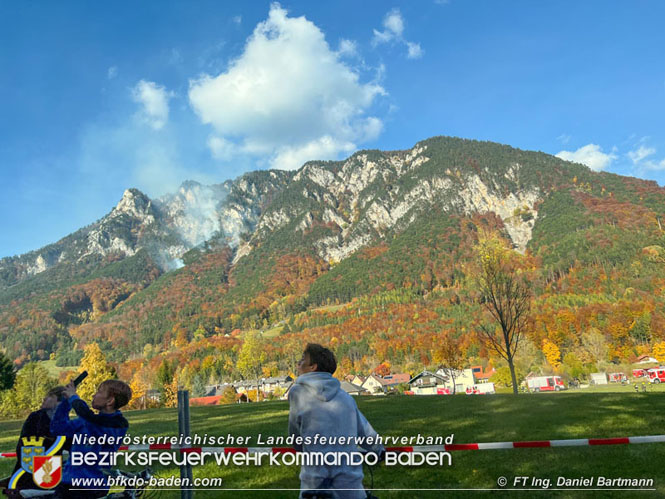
column 609, row 388
column 272, row 332
column 54, row 370
column 572, row 414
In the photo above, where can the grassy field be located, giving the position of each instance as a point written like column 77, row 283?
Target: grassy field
column 574, row 414
column 609, row 388
column 54, row 370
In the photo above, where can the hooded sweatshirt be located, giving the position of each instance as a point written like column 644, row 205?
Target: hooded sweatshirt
column 319, row 406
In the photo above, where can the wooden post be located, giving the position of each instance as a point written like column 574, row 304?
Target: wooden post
column 183, row 429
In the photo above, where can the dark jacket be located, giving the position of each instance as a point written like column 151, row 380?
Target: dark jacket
column 87, row 423
column 37, row 424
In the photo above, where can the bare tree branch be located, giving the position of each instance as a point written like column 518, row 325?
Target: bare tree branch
column 506, row 296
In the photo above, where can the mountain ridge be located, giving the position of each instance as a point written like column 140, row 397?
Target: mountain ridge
column 256, row 250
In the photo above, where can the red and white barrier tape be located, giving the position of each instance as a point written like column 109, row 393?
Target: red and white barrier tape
column 577, row 442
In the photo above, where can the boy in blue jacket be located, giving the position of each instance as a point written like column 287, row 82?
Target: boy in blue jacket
column 111, row 395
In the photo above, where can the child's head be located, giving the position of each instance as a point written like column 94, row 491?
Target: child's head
column 53, row 396
column 317, row 358
column 112, row 394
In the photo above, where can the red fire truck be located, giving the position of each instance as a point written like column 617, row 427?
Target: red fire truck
column 657, row 375
column 545, row 384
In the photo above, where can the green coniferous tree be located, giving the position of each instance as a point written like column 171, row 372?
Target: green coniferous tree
column 7, row 373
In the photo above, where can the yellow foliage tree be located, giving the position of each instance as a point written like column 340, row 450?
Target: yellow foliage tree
column 252, row 356
column 344, row 367
column 171, row 392
column 659, row 351
column 505, row 294
column 186, row 377
column 252, row 395
column 552, row 354
column 270, row 369
column 228, row 396
column 98, row 369
column 140, row 385
column 180, row 333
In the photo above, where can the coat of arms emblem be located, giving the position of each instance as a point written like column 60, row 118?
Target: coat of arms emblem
column 48, row 471
column 31, row 447
column 44, row 466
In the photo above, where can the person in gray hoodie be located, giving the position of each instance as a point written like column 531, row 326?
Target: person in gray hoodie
column 318, row 407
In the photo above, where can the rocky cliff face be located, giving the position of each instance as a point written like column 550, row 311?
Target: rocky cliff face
column 167, row 227
column 135, row 212
column 360, row 200
column 370, row 195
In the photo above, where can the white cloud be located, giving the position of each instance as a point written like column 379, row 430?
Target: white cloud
column 564, row 138
column 637, row 155
column 323, row 147
column 347, row 48
column 415, row 52
column 649, row 164
column 154, row 101
column 393, row 32
column 394, row 24
column 590, row 155
column 288, row 97
column 653, row 165
column 641, row 156
column 381, row 37
column 221, row 148
column 237, row 20
column 112, row 72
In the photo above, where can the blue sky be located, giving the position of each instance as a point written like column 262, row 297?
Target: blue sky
column 97, row 97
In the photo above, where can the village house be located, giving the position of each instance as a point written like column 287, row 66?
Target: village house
column 243, row 386
column 211, row 400
column 481, row 375
column 271, row 385
column 462, row 379
column 348, row 387
column 375, row 385
column 380, row 385
column 266, row 385
column 216, row 390
column 428, row 383
column 153, row 395
column 352, row 389
column 646, row 359
column 393, row 380
column 150, row 397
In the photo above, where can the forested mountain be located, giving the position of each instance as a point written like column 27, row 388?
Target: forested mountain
column 371, row 254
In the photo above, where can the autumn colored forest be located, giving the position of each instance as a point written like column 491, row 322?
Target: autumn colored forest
column 595, row 265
